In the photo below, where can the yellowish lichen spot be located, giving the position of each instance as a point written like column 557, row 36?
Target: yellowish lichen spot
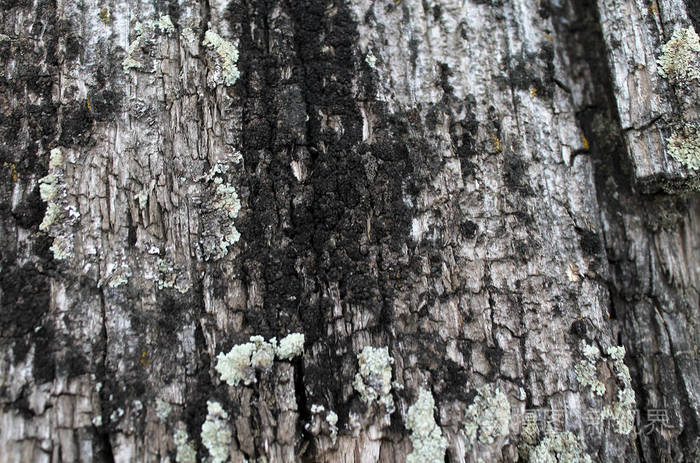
column 105, row 15
column 495, row 143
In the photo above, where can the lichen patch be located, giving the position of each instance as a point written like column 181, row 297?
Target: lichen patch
column 373, row 381
column 241, row 363
column 227, row 57
column 562, row 447
column 428, row 442
column 216, row 433
column 680, row 58
column 488, row 417
column 684, row 146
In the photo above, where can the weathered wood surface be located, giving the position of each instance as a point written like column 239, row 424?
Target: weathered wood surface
column 479, row 186
column 634, row 32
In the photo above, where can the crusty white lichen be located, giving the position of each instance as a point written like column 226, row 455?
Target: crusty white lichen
column 291, row 346
column 684, row 146
column 216, row 433
column 562, row 447
column 586, row 370
column 184, row 450
column 227, row 55
column 488, row 417
column 680, row 58
column 241, row 363
column 429, row 445
column 373, row 381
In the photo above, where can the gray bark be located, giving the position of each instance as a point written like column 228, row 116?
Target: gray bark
column 482, row 187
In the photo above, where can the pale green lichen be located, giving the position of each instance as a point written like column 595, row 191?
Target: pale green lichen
column 166, row 276
column 235, row 367
column 227, row 54
column 684, row 146
column 562, row 447
column 142, row 198
column 165, row 24
column 182, row 287
column 622, row 411
column 332, row 420
column 118, row 280
column 184, row 450
column 216, row 433
column 188, row 34
column 316, row 409
column 240, row 364
column 680, row 58
column 225, row 200
column 529, row 434
column 373, row 381
column 371, row 60
column 55, row 158
column 48, row 188
column 163, row 409
column 264, row 353
column 488, row 417
column 314, row 427
column 291, row 346
column 429, row 445
column 586, row 370
column 62, row 248
column 53, row 212
column 130, row 62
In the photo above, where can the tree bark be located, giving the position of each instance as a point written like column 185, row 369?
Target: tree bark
column 483, row 187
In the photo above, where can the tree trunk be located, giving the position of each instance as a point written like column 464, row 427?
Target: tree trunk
column 488, row 189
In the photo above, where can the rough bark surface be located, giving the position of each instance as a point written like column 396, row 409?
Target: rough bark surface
column 482, row 187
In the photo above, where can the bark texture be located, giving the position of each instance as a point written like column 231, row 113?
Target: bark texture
column 483, row 187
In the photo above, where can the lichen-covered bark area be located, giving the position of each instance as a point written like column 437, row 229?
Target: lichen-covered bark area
column 449, row 200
